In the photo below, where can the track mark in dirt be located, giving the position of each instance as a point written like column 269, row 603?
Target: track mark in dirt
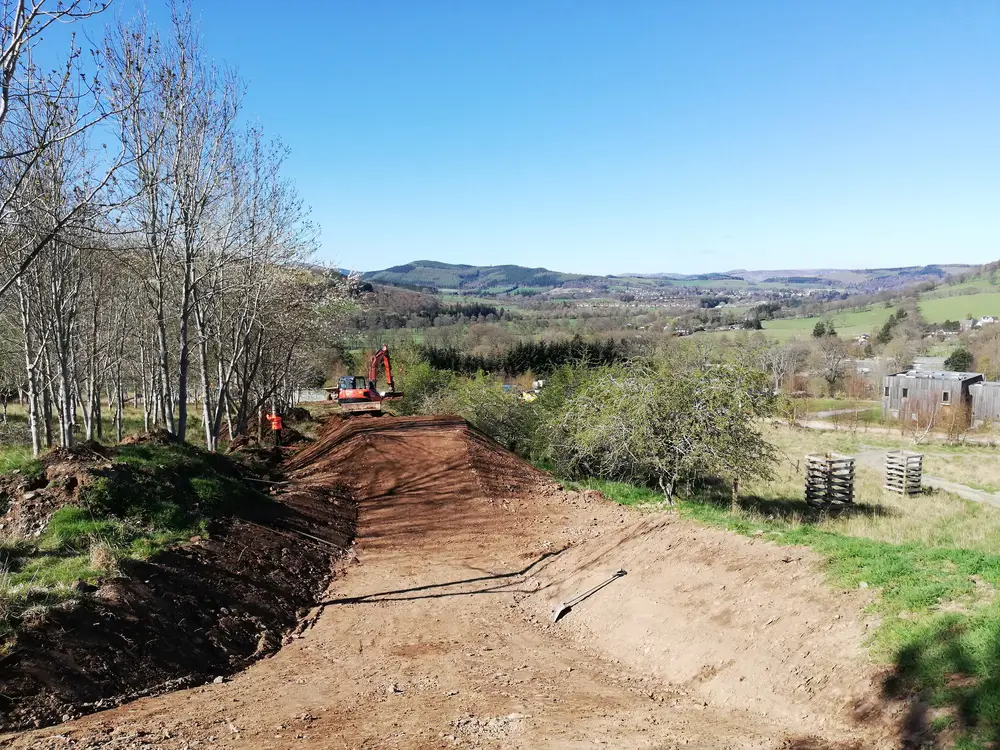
column 438, row 632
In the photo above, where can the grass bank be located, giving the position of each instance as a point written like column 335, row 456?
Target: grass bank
column 141, row 499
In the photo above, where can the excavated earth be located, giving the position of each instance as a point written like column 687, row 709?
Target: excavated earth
column 437, row 630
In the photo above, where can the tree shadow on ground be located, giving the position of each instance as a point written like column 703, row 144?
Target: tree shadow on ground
column 490, row 583
column 950, row 673
column 718, row 494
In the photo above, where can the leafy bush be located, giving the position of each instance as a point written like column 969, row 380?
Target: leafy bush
column 960, row 360
column 421, row 382
column 657, row 424
column 482, row 400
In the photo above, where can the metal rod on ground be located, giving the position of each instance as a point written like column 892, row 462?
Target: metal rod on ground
column 566, row 606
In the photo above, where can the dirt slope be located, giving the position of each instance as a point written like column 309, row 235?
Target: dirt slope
column 438, row 632
column 183, row 617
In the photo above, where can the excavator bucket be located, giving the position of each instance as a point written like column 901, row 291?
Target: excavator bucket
column 368, row 407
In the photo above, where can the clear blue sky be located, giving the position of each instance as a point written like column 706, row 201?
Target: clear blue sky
column 638, row 135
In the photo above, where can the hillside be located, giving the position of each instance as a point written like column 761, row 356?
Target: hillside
column 497, row 279
column 508, row 278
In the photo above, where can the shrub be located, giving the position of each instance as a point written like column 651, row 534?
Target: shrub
column 960, row 360
column 483, row 400
column 421, row 382
column 658, row 424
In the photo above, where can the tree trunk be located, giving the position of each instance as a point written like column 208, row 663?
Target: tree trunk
column 208, row 414
column 183, row 351
column 165, row 397
column 30, row 371
column 736, row 495
column 47, row 411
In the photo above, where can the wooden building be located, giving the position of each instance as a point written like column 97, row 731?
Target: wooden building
column 985, row 402
column 922, row 395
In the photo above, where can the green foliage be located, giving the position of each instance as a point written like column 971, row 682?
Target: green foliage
column 960, row 360
column 169, row 487
column 523, row 356
column 819, row 330
column 884, row 335
column 420, row 383
column 622, row 493
column 551, row 403
column 657, row 424
column 18, row 457
column 486, row 403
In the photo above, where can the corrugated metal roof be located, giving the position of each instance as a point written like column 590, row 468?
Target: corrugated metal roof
column 938, row 375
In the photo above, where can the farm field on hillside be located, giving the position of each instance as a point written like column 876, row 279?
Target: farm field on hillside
column 940, row 309
column 851, row 323
column 967, row 287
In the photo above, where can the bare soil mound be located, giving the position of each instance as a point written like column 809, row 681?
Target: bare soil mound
column 28, row 498
column 439, row 632
column 185, row 616
column 440, row 464
column 742, row 622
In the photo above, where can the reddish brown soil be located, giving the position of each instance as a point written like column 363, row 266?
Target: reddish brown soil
column 438, row 632
column 184, row 617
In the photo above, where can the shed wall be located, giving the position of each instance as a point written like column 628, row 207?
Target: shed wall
column 985, row 402
column 923, row 397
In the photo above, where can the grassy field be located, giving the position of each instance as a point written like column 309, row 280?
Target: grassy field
column 966, row 287
column 811, row 406
column 932, row 559
column 958, row 307
column 15, row 442
column 848, row 324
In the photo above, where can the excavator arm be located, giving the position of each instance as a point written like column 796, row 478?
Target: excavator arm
column 382, row 355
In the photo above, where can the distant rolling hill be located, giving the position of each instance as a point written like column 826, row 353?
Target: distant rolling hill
column 429, row 274
column 432, row 274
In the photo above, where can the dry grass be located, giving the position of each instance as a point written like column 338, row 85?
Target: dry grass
column 104, row 557
column 979, row 468
column 937, row 519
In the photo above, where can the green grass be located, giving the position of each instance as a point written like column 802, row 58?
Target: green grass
column 17, row 457
column 152, row 496
column 622, row 493
column 982, row 284
column 958, row 307
column 848, row 323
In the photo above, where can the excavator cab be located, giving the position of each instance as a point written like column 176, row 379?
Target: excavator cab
column 353, row 383
column 356, row 393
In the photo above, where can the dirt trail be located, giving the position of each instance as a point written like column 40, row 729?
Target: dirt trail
column 874, row 458
column 438, row 632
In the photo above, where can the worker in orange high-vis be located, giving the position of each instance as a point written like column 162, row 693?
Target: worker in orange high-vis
column 276, row 425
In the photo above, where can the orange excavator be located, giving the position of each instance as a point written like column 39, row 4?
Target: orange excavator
column 357, row 394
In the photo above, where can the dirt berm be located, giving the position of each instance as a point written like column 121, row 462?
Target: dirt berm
column 185, row 616
column 438, row 632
